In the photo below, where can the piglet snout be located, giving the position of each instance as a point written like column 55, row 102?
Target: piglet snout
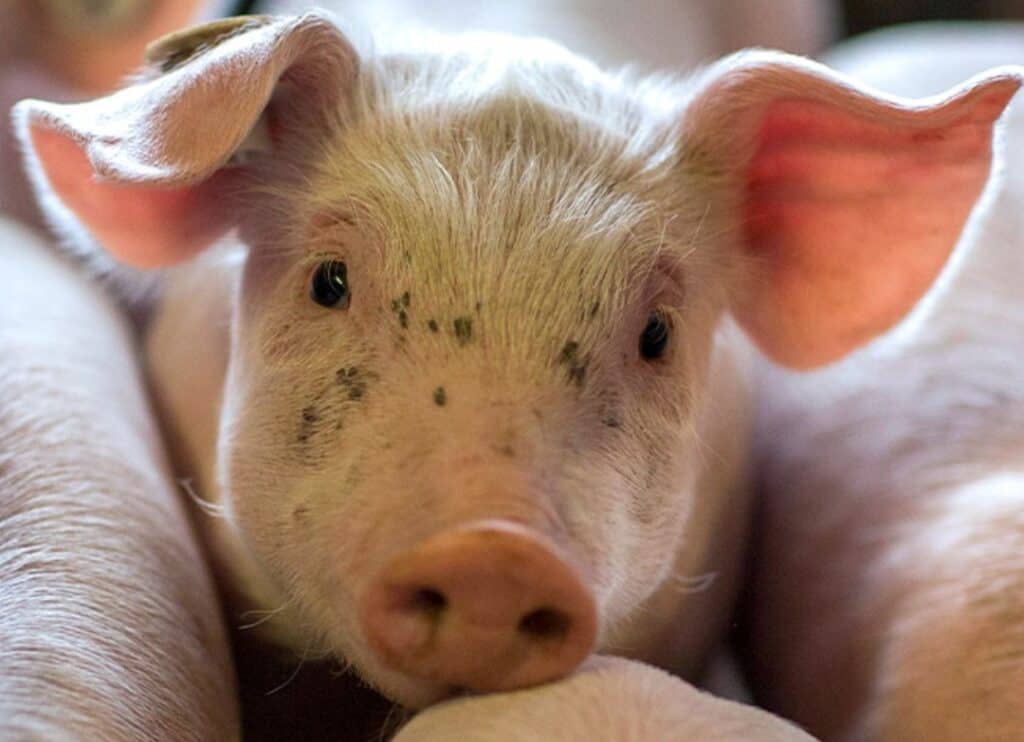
column 485, row 607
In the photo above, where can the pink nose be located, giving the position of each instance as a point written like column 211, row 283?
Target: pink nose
column 485, row 607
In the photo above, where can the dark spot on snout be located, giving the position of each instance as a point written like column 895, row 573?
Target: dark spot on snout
column 353, row 381
column 310, row 417
column 479, row 306
column 432, row 325
column 440, row 397
column 594, row 308
column 570, row 356
column 463, row 327
column 611, row 421
column 398, row 306
column 300, row 512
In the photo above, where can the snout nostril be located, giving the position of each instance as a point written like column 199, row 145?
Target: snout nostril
column 429, row 601
column 483, row 607
column 545, row 624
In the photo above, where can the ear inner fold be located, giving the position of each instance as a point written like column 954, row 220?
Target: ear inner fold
column 170, row 222
column 144, row 169
column 849, row 203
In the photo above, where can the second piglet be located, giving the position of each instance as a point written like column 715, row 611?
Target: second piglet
column 470, row 403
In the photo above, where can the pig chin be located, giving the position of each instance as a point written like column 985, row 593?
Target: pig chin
column 411, row 692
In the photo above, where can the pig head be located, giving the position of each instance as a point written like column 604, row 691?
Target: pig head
column 474, row 402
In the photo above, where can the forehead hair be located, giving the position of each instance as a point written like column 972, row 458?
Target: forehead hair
column 507, row 173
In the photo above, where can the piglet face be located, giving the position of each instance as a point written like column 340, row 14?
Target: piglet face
column 450, row 352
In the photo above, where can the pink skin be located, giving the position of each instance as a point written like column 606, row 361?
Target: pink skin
column 489, row 589
column 488, row 365
column 605, row 699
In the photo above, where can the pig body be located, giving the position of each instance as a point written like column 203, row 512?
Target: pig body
column 607, row 698
column 889, row 591
column 110, row 625
column 471, row 401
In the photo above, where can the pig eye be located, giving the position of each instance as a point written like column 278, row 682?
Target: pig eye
column 329, row 286
column 654, row 338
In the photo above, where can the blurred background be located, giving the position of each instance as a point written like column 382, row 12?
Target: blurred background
column 858, row 16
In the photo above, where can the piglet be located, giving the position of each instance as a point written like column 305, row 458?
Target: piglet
column 469, row 401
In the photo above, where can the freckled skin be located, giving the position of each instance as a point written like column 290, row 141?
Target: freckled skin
column 516, row 441
column 570, row 357
column 446, row 465
column 310, row 417
column 354, row 381
column 463, row 329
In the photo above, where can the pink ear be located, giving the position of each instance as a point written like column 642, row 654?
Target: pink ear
column 849, row 203
column 144, row 169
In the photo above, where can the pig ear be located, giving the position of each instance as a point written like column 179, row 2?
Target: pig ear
column 146, row 170
column 849, row 201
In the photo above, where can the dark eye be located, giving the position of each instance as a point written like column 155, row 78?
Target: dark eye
column 329, row 287
column 654, row 338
